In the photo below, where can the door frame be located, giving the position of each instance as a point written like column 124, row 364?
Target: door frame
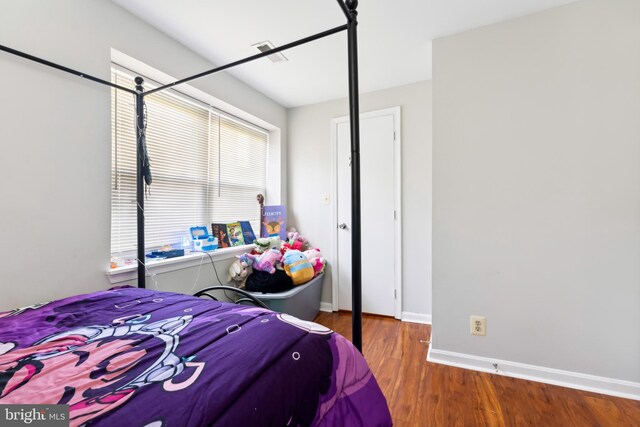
column 397, row 185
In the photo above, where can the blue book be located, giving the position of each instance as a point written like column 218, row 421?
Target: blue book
column 247, row 232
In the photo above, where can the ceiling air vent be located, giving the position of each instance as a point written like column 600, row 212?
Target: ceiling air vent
column 266, row 46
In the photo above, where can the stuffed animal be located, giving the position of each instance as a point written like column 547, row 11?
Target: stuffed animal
column 297, row 266
column 316, row 259
column 267, row 260
column 292, row 244
column 267, row 243
column 239, row 270
column 294, row 236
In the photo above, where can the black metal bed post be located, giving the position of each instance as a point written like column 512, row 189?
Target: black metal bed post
column 356, row 230
column 140, row 153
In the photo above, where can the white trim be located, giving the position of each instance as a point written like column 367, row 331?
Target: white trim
column 335, row 264
column 431, row 341
column 326, row 307
column 416, row 317
column 397, row 243
column 274, row 175
column 396, row 113
column 130, row 271
column 576, row 380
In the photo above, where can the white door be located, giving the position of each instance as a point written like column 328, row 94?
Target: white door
column 379, row 175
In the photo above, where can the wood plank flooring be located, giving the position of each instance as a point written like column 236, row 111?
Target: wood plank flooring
column 421, row 393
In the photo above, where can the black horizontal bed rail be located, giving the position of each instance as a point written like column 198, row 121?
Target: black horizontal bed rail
column 63, row 68
column 251, row 58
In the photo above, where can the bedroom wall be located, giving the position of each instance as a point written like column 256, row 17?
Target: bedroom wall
column 536, row 207
column 309, row 168
column 56, row 141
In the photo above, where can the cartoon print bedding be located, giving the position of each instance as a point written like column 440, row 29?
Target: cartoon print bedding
column 136, row 357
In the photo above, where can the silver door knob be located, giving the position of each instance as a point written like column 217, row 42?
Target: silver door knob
column 342, row 226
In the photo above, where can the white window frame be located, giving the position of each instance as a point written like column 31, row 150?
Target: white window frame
column 273, row 175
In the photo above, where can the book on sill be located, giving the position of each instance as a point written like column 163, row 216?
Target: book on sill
column 220, row 231
column 233, row 234
column 247, row 232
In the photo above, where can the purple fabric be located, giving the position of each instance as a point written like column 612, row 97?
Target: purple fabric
column 137, row 357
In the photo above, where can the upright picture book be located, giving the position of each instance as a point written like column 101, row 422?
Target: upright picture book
column 220, row 231
column 247, row 232
column 274, row 222
column 234, row 232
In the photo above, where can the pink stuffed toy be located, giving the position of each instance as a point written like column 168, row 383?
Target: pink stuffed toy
column 291, row 245
column 267, row 260
column 294, row 237
column 316, row 260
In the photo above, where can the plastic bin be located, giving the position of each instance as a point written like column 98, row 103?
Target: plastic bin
column 302, row 301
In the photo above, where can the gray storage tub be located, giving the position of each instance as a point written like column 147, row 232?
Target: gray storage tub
column 302, row 301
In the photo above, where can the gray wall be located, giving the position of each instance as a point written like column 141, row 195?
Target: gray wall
column 536, row 218
column 309, row 166
column 56, row 140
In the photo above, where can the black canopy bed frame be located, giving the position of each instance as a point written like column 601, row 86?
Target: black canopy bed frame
column 143, row 173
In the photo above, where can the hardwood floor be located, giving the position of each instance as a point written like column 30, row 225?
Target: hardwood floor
column 421, row 393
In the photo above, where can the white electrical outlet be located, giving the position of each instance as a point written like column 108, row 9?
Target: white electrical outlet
column 478, row 325
column 325, row 199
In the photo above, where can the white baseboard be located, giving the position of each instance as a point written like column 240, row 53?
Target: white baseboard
column 406, row 315
column 416, row 317
column 326, row 306
column 610, row 386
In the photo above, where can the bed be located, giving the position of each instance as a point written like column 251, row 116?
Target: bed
column 138, row 357
column 143, row 167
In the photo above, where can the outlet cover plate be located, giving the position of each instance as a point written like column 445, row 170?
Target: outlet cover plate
column 478, row 325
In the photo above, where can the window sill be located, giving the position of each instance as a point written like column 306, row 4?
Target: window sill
column 130, row 272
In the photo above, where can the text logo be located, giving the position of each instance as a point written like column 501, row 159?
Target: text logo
column 34, row 415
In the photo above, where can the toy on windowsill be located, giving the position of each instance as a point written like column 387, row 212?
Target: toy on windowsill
column 267, row 260
column 239, row 270
column 297, row 266
column 117, row 262
column 121, row 262
column 317, row 260
column 202, row 241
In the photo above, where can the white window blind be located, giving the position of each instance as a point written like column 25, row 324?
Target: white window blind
column 206, row 167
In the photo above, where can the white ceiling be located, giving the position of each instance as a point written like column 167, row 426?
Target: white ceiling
column 394, row 38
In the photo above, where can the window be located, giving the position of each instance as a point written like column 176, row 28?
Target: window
column 207, row 167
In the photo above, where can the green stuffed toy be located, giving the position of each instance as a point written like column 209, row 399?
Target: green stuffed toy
column 266, row 243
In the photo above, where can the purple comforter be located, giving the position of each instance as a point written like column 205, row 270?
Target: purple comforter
column 136, row 357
